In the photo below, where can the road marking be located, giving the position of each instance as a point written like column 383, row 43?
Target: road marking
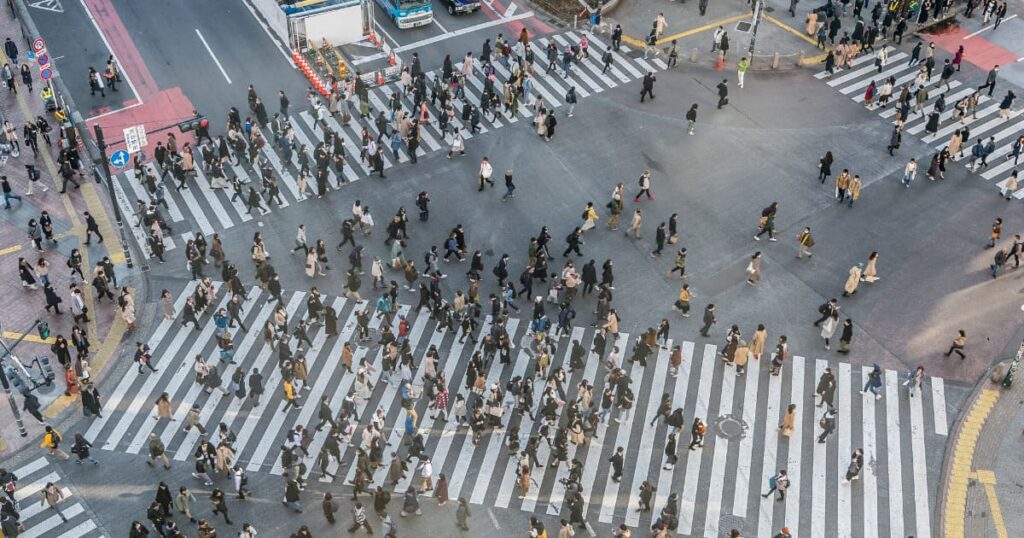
column 843, row 438
column 111, row 112
column 988, row 479
column 511, row 10
column 668, row 39
column 28, row 337
column 10, row 250
column 939, row 406
column 963, row 458
column 721, row 452
column 972, row 34
column 214, row 56
column 893, row 449
column 642, row 463
column 442, row 37
column 793, row 445
column 790, row 29
column 869, row 471
column 922, row 505
column 112, row 53
column 443, row 29
column 766, row 505
column 740, row 498
column 818, row 465
column 494, row 520
column 266, row 30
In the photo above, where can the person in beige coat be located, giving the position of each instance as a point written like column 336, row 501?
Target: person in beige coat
column 870, row 274
column 853, row 190
column 757, row 342
column 853, row 280
column 788, row 421
column 741, row 357
column 163, row 407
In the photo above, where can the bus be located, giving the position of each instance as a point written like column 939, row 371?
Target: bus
column 408, row 13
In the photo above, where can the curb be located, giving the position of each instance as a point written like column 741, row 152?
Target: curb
column 942, row 496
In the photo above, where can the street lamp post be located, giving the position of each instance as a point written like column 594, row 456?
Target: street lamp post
column 9, row 352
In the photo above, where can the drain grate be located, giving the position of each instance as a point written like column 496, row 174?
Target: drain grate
column 730, row 427
column 743, row 26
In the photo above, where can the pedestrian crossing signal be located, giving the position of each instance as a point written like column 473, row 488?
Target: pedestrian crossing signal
column 44, row 330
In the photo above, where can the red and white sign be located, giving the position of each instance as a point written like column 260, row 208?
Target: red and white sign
column 38, row 45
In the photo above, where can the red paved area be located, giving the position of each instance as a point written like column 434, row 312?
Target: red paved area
column 977, row 50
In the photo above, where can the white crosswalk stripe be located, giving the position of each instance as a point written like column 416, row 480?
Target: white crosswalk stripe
column 981, row 125
column 39, row 519
column 726, row 476
column 203, row 209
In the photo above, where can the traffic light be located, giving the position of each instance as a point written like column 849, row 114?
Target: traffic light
column 192, row 123
column 44, row 330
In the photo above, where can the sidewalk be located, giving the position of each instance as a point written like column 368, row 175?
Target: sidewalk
column 984, row 470
column 21, row 306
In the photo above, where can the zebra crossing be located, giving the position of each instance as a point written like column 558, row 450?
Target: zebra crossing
column 718, row 483
column 38, row 518
column 986, row 123
column 205, row 209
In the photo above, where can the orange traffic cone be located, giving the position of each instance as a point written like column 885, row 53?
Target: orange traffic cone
column 373, row 39
column 720, row 62
column 380, row 77
column 391, row 58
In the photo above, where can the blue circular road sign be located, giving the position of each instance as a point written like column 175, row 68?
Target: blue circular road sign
column 119, row 158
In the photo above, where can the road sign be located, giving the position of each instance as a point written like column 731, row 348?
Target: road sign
column 46, row 73
column 30, row 55
column 119, row 158
column 38, row 44
column 141, row 130
column 131, row 139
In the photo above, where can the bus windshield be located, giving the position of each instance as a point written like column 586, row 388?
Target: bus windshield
column 412, row 4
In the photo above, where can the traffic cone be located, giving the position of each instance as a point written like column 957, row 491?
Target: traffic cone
column 720, row 62
column 373, row 39
column 380, row 77
column 391, row 58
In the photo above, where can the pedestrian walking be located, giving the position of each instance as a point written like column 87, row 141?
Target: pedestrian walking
column 754, row 269
column 804, row 240
column 959, row 342
column 691, row 119
column 856, row 464
column 874, row 382
column 51, row 442
column 827, row 423
column 914, row 379
column 777, row 483
column 709, row 320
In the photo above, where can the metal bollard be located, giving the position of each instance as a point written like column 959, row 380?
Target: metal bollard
column 800, row 59
column 693, row 56
column 775, row 61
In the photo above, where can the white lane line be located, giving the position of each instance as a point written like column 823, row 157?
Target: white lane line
column 270, row 383
column 181, row 371
column 664, row 485
column 494, row 520
column 443, row 29
column 688, row 503
column 24, row 472
column 939, row 406
column 611, row 490
column 843, row 435
column 112, row 53
column 718, row 459
column 443, row 37
column 270, row 433
column 892, row 453
column 510, row 10
column 741, row 494
column 133, row 373
column 922, row 511
column 30, row 490
column 972, row 34
column 184, row 450
column 43, row 528
column 771, row 438
column 869, row 473
column 483, row 479
column 818, row 464
column 214, row 56
column 266, row 30
column 594, row 452
column 794, row 446
column 642, row 464
column 80, row 530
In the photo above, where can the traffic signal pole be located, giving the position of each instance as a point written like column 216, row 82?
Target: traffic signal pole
column 102, row 145
column 9, row 351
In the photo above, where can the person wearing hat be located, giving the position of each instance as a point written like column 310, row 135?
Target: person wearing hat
column 853, row 280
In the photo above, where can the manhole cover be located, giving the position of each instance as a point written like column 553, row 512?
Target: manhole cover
column 769, row 9
column 728, row 523
column 730, row 427
column 743, row 26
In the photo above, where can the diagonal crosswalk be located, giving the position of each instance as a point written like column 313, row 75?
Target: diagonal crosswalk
column 983, row 124
column 204, row 209
column 720, row 481
column 38, row 518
